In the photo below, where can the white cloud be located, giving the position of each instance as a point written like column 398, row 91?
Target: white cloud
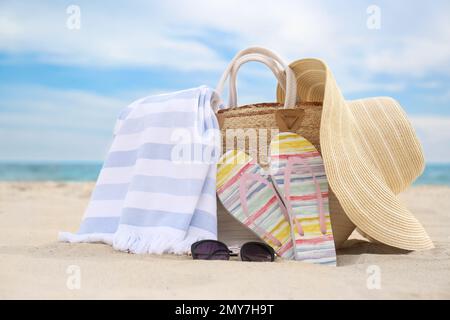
column 40, row 123
column 56, row 124
column 442, row 98
column 412, row 47
column 416, row 56
column 125, row 39
column 183, row 34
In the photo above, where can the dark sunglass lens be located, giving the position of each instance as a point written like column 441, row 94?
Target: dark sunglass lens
column 258, row 252
column 210, row 250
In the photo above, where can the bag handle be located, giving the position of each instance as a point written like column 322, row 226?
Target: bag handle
column 270, row 59
column 272, row 64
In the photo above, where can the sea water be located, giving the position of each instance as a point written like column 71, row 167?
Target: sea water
column 434, row 174
column 49, row 171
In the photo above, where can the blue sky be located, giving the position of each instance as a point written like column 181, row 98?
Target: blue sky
column 62, row 88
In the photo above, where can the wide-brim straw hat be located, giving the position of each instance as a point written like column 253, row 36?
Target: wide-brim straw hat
column 371, row 154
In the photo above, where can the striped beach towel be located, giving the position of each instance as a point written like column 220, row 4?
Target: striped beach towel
column 156, row 190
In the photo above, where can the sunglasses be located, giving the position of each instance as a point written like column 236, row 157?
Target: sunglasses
column 216, row 250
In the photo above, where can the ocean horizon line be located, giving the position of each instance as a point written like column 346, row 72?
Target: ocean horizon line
column 63, row 161
column 88, row 171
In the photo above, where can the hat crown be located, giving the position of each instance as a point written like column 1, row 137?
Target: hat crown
column 380, row 124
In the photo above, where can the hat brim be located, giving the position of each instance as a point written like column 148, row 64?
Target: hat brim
column 367, row 164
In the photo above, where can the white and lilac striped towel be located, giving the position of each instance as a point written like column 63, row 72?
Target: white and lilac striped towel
column 156, row 190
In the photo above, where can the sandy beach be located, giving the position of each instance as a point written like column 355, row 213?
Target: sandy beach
column 33, row 265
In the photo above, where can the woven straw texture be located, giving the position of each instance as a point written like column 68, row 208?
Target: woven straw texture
column 262, row 116
column 371, row 154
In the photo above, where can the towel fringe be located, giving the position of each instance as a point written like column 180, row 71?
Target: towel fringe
column 184, row 246
column 141, row 241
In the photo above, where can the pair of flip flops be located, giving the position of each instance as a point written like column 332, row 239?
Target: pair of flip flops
column 286, row 207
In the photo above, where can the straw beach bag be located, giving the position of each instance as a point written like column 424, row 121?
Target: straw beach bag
column 251, row 127
column 255, row 124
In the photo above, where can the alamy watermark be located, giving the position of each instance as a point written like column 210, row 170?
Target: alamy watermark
column 73, row 281
column 190, row 147
column 73, row 21
column 373, row 281
column 374, row 17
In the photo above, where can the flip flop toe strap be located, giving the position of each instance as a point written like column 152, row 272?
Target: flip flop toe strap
column 243, row 191
column 287, row 178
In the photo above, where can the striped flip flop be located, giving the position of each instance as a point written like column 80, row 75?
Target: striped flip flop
column 251, row 198
column 299, row 175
